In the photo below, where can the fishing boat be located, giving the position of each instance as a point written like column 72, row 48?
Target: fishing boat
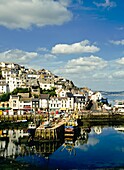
column 71, row 123
column 70, row 127
column 47, row 124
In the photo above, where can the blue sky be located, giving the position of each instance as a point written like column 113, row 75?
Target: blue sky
column 81, row 40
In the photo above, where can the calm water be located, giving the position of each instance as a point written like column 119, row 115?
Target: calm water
column 112, row 98
column 99, row 147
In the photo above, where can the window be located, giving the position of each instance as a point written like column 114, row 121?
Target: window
column 14, row 101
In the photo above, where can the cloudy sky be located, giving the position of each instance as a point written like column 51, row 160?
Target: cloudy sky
column 81, row 40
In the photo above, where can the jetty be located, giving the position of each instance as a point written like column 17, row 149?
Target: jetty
column 56, row 129
column 53, row 133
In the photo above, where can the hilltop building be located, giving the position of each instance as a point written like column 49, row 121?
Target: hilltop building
column 68, row 96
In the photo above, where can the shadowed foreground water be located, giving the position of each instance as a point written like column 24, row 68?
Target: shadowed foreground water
column 100, row 147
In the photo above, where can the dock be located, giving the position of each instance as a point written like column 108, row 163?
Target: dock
column 53, row 133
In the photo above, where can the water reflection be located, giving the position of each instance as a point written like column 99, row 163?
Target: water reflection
column 91, row 147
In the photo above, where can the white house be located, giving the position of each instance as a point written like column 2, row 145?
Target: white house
column 25, row 105
column 3, row 86
column 54, row 103
column 14, row 82
column 96, row 96
column 44, row 101
column 14, row 103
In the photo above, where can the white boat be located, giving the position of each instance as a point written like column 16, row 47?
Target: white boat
column 47, row 124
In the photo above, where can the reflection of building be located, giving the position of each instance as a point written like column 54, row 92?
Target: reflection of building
column 41, row 148
column 119, row 128
column 3, row 145
column 83, row 137
column 8, row 147
column 98, row 130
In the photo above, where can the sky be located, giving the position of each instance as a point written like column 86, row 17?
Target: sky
column 80, row 40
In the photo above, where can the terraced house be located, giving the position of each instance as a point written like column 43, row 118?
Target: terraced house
column 68, row 97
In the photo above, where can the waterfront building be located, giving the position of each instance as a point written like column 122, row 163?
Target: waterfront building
column 119, row 106
column 54, row 103
column 44, row 102
column 14, row 103
column 96, row 96
column 4, row 108
column 25, row 106
column 79, row 102
column 69, row 97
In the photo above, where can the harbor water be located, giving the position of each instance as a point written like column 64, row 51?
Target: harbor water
column 94, row 147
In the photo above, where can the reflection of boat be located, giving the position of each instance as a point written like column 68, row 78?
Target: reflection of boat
column 69, row 129
column 31, row 129
column 32, row 125
column 69, row 145
column 98, row 130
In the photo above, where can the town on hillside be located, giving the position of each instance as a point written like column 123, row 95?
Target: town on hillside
column 25, row 90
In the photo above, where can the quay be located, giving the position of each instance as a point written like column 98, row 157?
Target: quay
column 54, row 133
column 57, row 131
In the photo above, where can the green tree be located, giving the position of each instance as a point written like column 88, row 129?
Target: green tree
column 51, row 91
column 5, row 97
column 20, row 90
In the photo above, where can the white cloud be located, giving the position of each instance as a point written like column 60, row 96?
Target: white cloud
column 120, row 61
column 90, row 143
column 91, row 71
column 84, row 64
column 119, row 42
column 25, row 13
column 17, row 56
column 80, row 47
column 49, row 57
column 106, row 4
column 65, row 2
column 42, row 49
column 118, row 74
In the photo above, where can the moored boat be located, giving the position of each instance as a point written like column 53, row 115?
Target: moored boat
column 70, row 127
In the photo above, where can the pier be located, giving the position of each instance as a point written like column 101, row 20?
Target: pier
column 53, row 133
